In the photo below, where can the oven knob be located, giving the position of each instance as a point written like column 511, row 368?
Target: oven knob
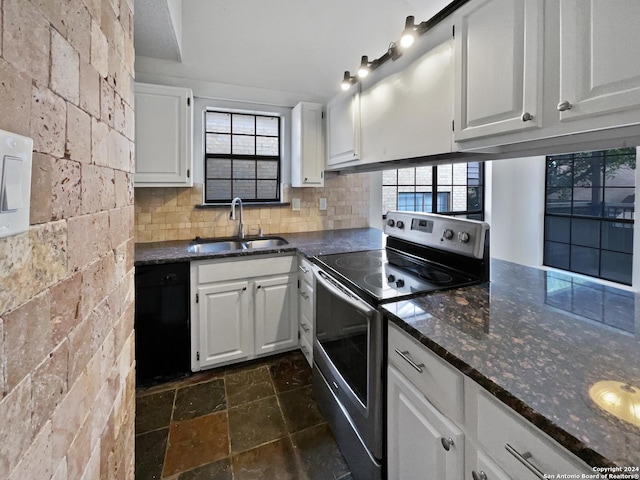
column 448, row 234
column 391, row 278
column 400, row 283
column 390, row 222
column 400, row 224
column 463, row 237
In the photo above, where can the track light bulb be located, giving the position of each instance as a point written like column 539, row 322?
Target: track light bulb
column 363, row 71
column 346, row 81
column 409, row 33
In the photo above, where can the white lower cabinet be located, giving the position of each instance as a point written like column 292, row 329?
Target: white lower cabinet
column 242, row 309
column 306, row 302
column 422, row 443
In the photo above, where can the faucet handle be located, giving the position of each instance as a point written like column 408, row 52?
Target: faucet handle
column 260, row 231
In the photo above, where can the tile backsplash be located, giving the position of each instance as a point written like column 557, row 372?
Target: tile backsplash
column 171, row 213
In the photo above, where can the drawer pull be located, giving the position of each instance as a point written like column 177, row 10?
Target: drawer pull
column 478, row 476
column 304, row 295
column 303, row 269
column 304, row 349
column 523, row 458
column 304, row 327
column 407, row 358
column 447, row 443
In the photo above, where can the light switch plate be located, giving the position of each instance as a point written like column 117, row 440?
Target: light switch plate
column 295, row 204
column 323, row 204
column 15, row 183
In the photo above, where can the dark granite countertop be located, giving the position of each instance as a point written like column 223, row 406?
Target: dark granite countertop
column 307, row 243
column 538, row 340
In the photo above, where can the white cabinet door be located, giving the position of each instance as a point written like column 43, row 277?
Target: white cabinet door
column 417, row 434
column 498, row 67
column 226, row 330
column 343, row 127
column 307, row 145
column 276, row 319
column 483, row 466
column 600, row 57
column 163, row 136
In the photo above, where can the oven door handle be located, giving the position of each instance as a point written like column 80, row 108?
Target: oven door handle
column 342, row 292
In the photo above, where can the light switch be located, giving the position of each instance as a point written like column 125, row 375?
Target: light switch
column 295, row 204
column 323, row 204
column 12, row 197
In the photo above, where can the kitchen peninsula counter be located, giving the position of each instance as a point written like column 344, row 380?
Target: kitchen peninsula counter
column 538, row 340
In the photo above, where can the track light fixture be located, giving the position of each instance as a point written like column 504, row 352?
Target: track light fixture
column 409, row 32
column 347, row 80
column 363, row 71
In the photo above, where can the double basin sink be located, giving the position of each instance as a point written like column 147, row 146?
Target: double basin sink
column 200, row 245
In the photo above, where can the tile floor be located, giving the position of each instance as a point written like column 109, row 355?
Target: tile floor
column 252, row 421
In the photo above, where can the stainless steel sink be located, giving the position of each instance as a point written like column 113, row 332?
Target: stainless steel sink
column 217, row 246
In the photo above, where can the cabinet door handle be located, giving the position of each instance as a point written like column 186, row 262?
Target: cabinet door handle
column 479, row 475
column 304, row 295
column 304, row 350
column 527, row 117
column 303, row 269
column 259, row 286
column 244, row 289
column 406, row 358
column 523, row 458
column 304, row 327
column 564, row 106
column 447, row 443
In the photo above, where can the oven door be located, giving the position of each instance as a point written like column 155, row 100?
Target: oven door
column 348, row 351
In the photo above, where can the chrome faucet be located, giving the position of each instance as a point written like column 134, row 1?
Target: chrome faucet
column 232, row 216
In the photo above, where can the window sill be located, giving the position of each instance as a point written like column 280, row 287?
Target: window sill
column 245, row 205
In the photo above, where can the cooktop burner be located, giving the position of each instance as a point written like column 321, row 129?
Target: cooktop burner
column 360, row 261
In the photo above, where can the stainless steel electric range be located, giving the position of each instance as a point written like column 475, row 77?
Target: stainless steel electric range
column 424, row 253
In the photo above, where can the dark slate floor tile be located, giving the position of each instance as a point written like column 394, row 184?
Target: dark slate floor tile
column 319, row 454
column 220, row 470
column 150, row 450
column 272, row 461
column 299, row 408
column 201, row 399
column 249, row 385
column 196, row 442
column 255, row 423
column 154, row 411
column 290, row 373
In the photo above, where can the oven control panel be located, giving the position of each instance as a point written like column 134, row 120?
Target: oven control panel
column 457, row 235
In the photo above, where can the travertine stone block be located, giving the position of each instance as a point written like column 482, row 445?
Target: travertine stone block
column 36, row 463
column 89, row 89
column 120, row 225
column 98, row 279
column 99, row 50
column 108, row 21
column 22, row 327
column 98, row 189
column 50, row 384
column 41, row 189
column 15, row 424
column 107, row 103
column 78, row 145
column 122, row 189
column 95, row 9
column 118, row 151
column 56, row 12
column 48, row 121
column 26, row 39
column 60, row 471
column 82, row 347
column 129, row 122
column 66, row 301
column 88, row 239
column 99, row 143
column 79, row 451
column 65, row 69
column 79, row 29
column 48, row 254
column 92, row 469
column 15, row 101
column 66, row 189
column 119, row 114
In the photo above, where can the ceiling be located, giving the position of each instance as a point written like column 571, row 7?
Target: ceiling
column 299, row 46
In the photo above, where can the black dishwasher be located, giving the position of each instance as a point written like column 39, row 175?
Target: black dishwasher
column 162, row 322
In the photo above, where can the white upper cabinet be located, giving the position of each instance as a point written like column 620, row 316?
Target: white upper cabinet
column 307, row 145
column 343, row 128
column 600, row 57
column 164, row 122
column 498, row 46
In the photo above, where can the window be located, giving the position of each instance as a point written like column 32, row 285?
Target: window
column 448, row 189
column 589, row 213
column 242, row 157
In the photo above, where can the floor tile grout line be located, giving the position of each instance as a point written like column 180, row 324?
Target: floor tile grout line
column 166, row 450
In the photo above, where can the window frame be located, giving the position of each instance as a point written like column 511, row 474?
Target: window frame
column 277, row 159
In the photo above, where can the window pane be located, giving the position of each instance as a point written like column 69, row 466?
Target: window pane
column 424, row 176
column 218, row 168
column 267, row 189
column 587, row 201
column 474, row 198
column 267, row 169
column 620, row 171
column 474, row 174
column 556, row 255
column 389, row 198
column 557, row 229
column 218, row 122
column 243, row 124
column 458, row 199
column 585, row 260
column 617, row 236
column 559, row 171
column 244, row 145
column 267, row 126
column 218, row 190
column 619, row 203
column 218, row 143
column 267, row 146
column 445, row 174
column 585, row 232
column 244, row 189
column 244, row 169
column 390, row 177
column 407, row 202
column 443, row 202
column 617, row 266
column 559, row 201
column 459, row 174
column 407, row 176
column 587, row 172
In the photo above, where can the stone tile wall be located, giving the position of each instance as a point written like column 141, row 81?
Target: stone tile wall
column 170, row 213
column 66, row 286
